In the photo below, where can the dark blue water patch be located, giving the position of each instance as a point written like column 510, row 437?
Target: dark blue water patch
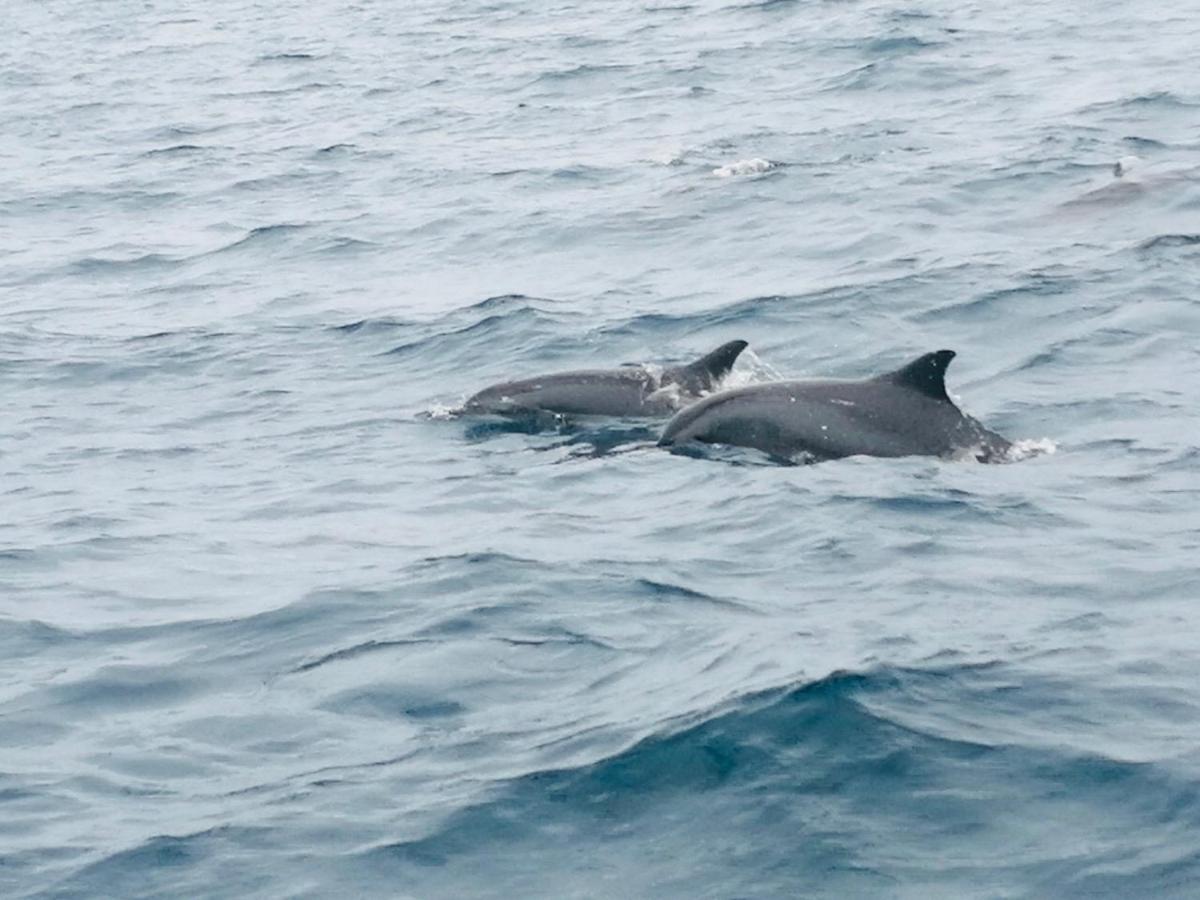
column 30, row 637
column 821, row 790
column 165, row 864
column 123, row 688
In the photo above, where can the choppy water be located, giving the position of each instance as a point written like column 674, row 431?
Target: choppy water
column 272, row 625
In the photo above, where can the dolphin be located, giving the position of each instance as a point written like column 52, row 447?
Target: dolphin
column 902, row 413
column 628, row 391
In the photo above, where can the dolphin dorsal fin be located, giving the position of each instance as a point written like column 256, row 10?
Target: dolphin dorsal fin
column 925, row 374
column 716, row 365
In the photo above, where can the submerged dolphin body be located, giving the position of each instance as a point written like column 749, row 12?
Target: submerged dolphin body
column 628, row 391
column 902, row 413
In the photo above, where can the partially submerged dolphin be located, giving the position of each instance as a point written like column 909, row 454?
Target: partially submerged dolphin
column 627, row 391
column 902, row 413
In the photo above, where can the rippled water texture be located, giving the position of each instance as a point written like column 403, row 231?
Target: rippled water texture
column 273, row 624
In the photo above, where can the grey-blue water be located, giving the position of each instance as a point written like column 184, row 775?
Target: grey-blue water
column 274, row 624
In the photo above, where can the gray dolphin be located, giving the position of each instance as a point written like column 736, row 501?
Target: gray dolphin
column 627, row 391
column 902, row 413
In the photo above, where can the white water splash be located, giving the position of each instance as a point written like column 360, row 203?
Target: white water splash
column 667, row 156
column 744, row 167
column 1031, row 447
column 749, row 369
column 443, row 411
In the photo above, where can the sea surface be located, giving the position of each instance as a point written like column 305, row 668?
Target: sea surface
column 275, row 622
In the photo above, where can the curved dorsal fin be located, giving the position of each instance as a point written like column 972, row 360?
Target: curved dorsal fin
column 925, row 374
column 705, row 372
column 716, row 365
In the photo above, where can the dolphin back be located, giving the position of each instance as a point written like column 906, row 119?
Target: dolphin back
column 905, row 412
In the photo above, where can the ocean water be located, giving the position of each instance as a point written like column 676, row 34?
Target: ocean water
column 275, row 623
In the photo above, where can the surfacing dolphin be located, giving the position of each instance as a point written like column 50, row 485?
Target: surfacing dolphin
column 902, row 413
column 628, row 391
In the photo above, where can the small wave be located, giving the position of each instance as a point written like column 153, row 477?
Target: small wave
column 579, row 172
column 384, row 323
column 1165, row 241
column 287, row 57
column 1155, row 98
column 895, row 46
column 768, row 5
column 336, row 148
column 665, row 591
column 502, row 301
column 157, row 866
column 175, row 150
column 345, row 245
column 489, row 325
column 743, row 167
column 370, row 646
column 264, row 234
column 667, row 156
column 858, row 78
column 580, row 71
column 930, row 752
column 98, row 265
column 1143, row 143
column 390, row 702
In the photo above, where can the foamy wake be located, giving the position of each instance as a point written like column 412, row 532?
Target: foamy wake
column 667, row 156
column 750, row 369
column 442, row 411
column 745, row 167
column 1030, row 447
